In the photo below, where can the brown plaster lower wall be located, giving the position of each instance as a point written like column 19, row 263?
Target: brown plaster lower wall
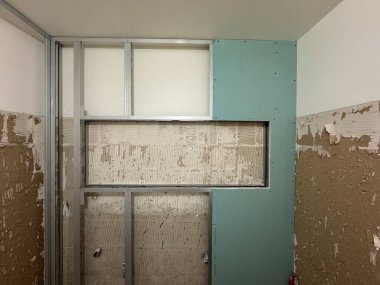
column 21, row 204
column 337, row 225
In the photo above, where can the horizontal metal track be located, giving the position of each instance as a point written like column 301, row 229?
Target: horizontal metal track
column 146, row 118
column 132, row 40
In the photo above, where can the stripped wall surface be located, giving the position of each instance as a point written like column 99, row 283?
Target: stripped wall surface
column 67, row 186
column 170, row 239
column 103, row 240
column 172, row 153
column 337, row 231
column 22, row 198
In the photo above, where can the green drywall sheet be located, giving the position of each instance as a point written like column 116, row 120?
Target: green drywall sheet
column 253, row 229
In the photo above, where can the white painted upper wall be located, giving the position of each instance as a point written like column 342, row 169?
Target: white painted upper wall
column 339, row 59
column 21, row 71
column 171, row 82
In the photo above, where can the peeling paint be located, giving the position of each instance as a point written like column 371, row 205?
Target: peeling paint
column 355, row 122
column 376, row 242
column 336, row 249
column 314, row 148
column 337, row 184
column 373, row 257
column 22, row 198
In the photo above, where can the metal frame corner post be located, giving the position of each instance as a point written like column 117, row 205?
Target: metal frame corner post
column 78, row 163
column 52, row 201
column 49, row 226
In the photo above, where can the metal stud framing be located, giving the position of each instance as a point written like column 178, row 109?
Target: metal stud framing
column 128, row 219
column 53, row 236
column 77, row 195
column 80, row 143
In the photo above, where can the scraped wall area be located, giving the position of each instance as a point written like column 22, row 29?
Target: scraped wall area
column 337, row 196
column 21, row 188
column 177, row 153
column 338, row 165
column 21, row 157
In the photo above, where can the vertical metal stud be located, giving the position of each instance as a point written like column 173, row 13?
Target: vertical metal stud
column 59, row 181
column 128, row 238
column 211, row 80
column 77, row 172
column 128, row 79
column 49, row 193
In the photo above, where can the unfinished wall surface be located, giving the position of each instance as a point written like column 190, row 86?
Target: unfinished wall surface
column 103, row 239
column 173, row 153
column 170, row 239
column 337, row 196
column 22, row 193
column 67, row 186
column 21, row 157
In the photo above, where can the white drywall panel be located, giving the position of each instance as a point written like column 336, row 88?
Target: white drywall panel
column 171, row 81
column 67, row 81
column 104, row 81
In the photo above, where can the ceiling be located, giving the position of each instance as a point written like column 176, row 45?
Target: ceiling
column 185, row 19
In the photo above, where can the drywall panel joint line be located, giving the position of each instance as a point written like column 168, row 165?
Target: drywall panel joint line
column 23, row 18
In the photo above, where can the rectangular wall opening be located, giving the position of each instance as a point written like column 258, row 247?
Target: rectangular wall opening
column 103, row 239
column 171, row 238
column 176, row 153
column 170, row 80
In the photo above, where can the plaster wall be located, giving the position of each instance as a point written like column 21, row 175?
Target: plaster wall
column 21, row 157
column 21, row 71
column 337, row 60
column 337, row 196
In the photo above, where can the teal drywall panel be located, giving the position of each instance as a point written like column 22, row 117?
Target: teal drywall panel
column 253, row 229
